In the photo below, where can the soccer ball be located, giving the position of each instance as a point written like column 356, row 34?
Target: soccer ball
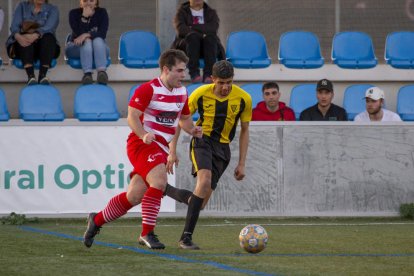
column 253, row 238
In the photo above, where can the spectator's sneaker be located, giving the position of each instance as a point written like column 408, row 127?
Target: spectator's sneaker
column 44, row 81
column 31, row 81
column 151, row 241
column 187, row 243
column 102, row 77
column 196, row 79
column 208, row 80
column 87, row 78
column 91, row 231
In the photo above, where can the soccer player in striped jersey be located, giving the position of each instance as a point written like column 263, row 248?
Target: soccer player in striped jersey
column 154, row 112
column 221, row 106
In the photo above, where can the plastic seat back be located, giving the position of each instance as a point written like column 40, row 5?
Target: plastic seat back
column 95, row 102
column 19, row 64
column 4, row 113
column 300, row 50
column 255, row 91
column 40, row 103
column 354, row 99
column 247, row 49
column 405, row 103
column 302, row 96
column 353, row 50
column 139, row 49
column 399, row 50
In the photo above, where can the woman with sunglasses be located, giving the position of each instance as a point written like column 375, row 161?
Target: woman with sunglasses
column 33, row 37
column 89, row 24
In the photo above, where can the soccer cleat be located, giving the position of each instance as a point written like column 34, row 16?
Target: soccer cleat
column 151, row 241
column 187, row 243
column 91, row 231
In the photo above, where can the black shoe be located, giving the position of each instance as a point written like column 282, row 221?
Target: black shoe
column 31, row 81
column 187, row 243
column 44, row 81
column 87, row 79
column 102, row 77
column 151, row 241
column 91, row 231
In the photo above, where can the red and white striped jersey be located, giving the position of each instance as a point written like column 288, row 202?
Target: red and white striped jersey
column 161, row 109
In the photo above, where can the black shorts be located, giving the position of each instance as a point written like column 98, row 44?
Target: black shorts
column 210, row 155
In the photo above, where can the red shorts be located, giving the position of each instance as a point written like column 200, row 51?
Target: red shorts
column 144, row 157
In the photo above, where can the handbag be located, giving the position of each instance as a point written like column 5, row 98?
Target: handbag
column 29, row 27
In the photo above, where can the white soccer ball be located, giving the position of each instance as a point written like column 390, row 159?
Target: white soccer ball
column 253, row 238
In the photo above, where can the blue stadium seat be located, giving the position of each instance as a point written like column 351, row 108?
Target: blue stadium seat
column 405, row 103
column 40, row 103
column 354, row 99
column 4, row 113
column 399, row 50
column 255, row 91
column 132, row 91
column 139, row 49
column 246, row 49
column 95, row 102
column 300, row 50
column 190, row 89
column 75, row 63
column 353, row 50
column 19, row 64
column 302, row 96
column 1, row 61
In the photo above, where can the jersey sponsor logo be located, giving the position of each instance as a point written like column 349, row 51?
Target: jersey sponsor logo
column 166, row 118
column 152, row 157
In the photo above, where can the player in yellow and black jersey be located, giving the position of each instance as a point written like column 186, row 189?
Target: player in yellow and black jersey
column 221, row 106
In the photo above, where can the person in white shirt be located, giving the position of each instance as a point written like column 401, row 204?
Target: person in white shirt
column 374, row 98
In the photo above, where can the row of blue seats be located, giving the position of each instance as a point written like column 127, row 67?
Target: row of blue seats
column 297, row 49
column 98, row 102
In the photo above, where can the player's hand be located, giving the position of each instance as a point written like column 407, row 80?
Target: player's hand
column 239, row 172
column 171, row 160
column 148, row 138
column 197, row 131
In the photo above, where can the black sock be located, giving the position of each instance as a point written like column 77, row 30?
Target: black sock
column 193, row 212
column 43, row 72
column 180, row 195
column 30, row 72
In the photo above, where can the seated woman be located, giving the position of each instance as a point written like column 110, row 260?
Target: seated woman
column 33, row 37
column 89, row 25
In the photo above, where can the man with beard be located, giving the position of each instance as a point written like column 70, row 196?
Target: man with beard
column 374, row 98
column 324, row 110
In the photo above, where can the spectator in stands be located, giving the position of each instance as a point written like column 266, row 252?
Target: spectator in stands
column 89, row 25
column 374, row 98
column 196, row 25
column 271, row 109
column 33, row 37
column 324, row 110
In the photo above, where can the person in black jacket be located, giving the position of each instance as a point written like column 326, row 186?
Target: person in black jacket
column 196, row 25
column 89, row 24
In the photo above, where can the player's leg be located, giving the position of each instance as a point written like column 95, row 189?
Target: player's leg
column 151, row 202
column 180, row 195
column 116, row 208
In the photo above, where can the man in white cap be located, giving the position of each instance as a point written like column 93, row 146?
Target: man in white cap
column 374, row 98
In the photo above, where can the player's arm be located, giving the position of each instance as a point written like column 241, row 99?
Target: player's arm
column 239, row 172
column 135, row 124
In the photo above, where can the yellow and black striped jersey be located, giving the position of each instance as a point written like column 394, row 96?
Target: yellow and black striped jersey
column 219, row 116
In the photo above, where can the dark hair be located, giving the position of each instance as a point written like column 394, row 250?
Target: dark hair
column 223, row 69
column 170, row 57
column 32, row 1
column 270, row 84
column 97, row 3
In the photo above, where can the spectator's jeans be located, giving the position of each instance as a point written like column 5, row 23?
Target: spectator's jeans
column 197, row 47
column 92, row 54
column 44, row 49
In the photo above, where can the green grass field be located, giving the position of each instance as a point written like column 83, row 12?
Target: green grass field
column 363, row 246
